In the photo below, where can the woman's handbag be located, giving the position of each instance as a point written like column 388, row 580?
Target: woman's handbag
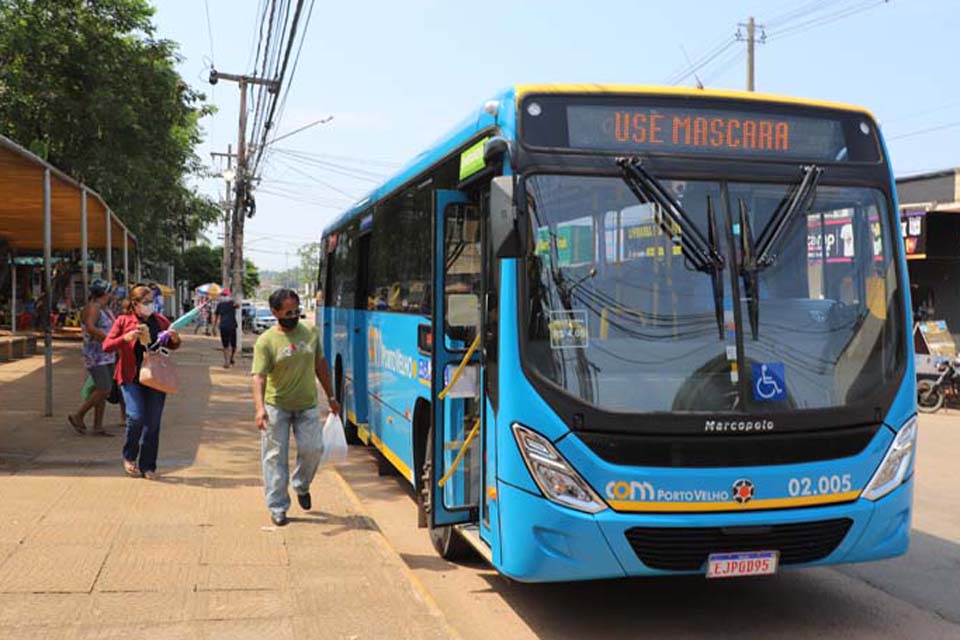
column 158, row 372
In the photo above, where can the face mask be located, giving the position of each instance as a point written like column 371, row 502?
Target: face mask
column 288, row 323
column 145, row 310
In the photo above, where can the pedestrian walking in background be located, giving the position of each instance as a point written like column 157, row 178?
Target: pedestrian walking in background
column 134, row 332
column 97, row 320
column 286, row 358
column 225, row 317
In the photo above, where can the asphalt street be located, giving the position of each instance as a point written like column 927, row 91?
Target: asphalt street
column 915, row 596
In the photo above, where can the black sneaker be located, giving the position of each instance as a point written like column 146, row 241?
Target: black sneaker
column 304, row 500
column 279, row 519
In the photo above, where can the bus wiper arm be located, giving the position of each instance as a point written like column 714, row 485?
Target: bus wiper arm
column 696, row 249
column 699, row 251
column 758, row 256
column 799, row 199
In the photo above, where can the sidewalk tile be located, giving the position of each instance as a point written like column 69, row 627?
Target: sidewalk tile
column 236, row 605
column 230, row 546
column 269, row 629
column 243, row 578
column 40, row 609
column 138, row 608
column 147, row 575
column 52, row 569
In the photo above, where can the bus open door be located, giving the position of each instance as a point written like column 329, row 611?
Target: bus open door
column 453, row 469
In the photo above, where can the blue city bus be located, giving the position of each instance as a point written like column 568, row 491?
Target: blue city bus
column 612, row 331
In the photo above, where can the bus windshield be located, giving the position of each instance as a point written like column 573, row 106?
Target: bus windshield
column 618, row 317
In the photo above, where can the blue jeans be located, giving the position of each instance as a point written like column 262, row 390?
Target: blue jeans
column 144, row 411
column 275, row 453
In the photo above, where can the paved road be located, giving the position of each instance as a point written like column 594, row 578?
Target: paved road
column 917, row 596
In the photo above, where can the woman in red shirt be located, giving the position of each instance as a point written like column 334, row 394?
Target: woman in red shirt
column 135, row 331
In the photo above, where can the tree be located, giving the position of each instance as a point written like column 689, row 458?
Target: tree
column 251, row 278
column 88, row 86
column 199, row 265
column 309, row 261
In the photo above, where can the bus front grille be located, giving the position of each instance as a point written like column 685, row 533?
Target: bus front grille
column 687, row 548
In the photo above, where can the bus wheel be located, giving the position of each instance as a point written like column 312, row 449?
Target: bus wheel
column 445, row 539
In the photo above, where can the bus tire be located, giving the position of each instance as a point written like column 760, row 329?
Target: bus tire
column 445, row 539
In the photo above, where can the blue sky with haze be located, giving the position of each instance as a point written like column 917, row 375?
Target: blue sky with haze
column 396, row 74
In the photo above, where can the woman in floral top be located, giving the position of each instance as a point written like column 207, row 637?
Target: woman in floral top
column 97, row 321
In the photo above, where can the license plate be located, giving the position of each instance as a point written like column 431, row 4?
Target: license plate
column 749, row 563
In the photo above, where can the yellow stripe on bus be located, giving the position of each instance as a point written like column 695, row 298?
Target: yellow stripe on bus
column 730, row 505
column 524, row 89
column 391, row 456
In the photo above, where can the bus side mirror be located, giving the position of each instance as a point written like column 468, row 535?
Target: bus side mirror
column 504, row 235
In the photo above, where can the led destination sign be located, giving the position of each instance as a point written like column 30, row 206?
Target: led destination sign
column 742, row 129
column 698, row 131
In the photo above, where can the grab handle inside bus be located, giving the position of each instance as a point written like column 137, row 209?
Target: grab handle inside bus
column 463, row 365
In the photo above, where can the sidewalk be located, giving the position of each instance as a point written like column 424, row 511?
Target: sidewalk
column 86, row 552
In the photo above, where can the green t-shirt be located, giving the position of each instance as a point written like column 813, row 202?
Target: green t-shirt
column 288, row 360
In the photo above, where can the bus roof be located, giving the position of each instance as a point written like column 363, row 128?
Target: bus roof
column 504, row 117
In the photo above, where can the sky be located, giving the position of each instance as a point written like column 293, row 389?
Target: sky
column 396, row 74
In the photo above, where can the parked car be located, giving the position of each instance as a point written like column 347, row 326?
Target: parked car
column 248, row 313
column 263, row 320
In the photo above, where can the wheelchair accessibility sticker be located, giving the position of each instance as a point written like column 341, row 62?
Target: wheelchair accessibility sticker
column 769, row 381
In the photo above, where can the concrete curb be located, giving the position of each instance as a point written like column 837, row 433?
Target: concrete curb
column 391, row 551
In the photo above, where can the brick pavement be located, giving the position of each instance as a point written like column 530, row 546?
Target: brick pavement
column 86, row 552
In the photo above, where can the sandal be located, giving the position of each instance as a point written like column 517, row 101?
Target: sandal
column 131, row 469
column 77, row 425
column 150, row 475
column 102, row 433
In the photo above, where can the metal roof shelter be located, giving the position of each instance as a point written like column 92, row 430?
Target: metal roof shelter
column 42, row 208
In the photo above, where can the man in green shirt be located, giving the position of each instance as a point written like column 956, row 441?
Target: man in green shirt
column 285, row 360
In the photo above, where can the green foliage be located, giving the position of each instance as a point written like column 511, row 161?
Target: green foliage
column 199, row 265
column 87, row 85
column 251, row 278
column 309, row 261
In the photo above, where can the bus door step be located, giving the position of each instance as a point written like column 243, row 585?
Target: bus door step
column 471, row 533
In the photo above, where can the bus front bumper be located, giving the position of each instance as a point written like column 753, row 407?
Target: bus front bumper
column 544, row 542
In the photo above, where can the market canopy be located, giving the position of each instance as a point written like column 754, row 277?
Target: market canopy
column 21, row 207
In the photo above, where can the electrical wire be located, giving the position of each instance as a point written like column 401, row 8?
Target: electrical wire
column 825, row 19
column 910, row 134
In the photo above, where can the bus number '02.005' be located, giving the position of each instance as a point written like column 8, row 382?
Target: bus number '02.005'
column 823, row 485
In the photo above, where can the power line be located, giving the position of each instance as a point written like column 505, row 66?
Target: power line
column 941, row 127
column 825, row 19
column 206, row 6
column 804, row 9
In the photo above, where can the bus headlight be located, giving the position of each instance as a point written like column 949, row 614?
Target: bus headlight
column 896, row 464
column 558, row 481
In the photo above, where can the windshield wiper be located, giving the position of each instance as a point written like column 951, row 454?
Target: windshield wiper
column 759, row 256
column 700, row 252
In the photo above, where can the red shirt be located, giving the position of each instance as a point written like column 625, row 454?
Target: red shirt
column 127, row 359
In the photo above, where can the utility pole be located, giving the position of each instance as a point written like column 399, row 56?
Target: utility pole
column 751, row 39
column 226, row 264
column 242, row 177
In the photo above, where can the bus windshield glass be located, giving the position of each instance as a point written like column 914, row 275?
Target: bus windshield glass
column 617, row 317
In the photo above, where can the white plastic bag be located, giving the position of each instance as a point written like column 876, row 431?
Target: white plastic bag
column 334, row 441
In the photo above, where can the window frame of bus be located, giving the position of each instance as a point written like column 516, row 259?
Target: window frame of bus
column 554, row 107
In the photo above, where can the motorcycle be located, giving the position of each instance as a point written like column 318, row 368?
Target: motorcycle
column 932, row 394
